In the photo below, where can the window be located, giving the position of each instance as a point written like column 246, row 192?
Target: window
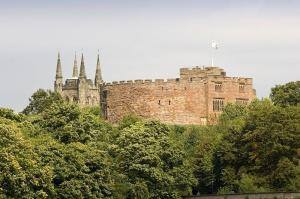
column 242, row 101
column 169, row 102
column 158, row 102
column 218, row 104
column 218, row 86
column 241, row 87
column 105, row 93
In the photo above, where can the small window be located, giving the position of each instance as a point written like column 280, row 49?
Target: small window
column 241, row 101
column 191, row 79
column 105, row 93
column 169, row 102
column 241, row 87
column 218, row 86
column 158, row 102
column 218, row 104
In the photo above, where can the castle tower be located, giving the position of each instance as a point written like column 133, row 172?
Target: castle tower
column 98, row 75
column 75, row 68
column 58, row 83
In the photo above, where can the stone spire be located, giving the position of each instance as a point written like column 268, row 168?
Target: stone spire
column 75, row 68
column 82, row 68
column 58, row 83
column 58, row 68
column 98, row 75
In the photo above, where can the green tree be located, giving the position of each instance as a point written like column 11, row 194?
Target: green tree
column 265, row 147
column 151, row 162
column 68, row 123
column 41, row 100
column 287, row 94
column 80, row 171
column 22, row 174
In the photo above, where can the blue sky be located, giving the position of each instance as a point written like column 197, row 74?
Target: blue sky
column 146, row 39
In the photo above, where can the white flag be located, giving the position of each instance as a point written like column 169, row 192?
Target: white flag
column 214, row 45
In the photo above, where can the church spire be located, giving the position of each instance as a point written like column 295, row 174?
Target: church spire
column 82, row 68
column 98, row 75
column 75, row 68
column 58, row 68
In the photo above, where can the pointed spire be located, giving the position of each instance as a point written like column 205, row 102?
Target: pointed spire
column 58, row 68
column 98, row 75
column 82, row 68
column 75, row 68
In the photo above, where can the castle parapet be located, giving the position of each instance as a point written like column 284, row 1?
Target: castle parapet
column 159, row 81
column 139, row 81
column 196, row 72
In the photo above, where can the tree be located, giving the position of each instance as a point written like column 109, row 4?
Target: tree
column 11, row 115
column 68, row 123
column 22, row 175
column 153, row 166
column 266, row 147
column 204, row 159
column 79, row 170
column 41, row 100
column 287, row 94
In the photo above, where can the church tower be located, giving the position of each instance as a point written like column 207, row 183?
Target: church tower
column 75, row 68
column 98, row 75
column 82, row 83
column 58, row 83
column 79, row 88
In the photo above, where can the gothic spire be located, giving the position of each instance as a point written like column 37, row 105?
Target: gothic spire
column 75, row 68
column 58, row 68
column 82, row 68
column 98, row 75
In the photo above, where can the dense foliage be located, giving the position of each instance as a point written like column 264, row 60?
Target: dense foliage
column 287, row 94
column 55, row 149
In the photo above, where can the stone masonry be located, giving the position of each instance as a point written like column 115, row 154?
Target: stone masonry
column 198, row 96
column 79, row 89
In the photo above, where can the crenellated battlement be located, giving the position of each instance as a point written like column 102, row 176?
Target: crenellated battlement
column 150, row 81
column 178, row 80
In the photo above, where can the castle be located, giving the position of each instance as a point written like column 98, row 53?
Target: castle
column 198, row 96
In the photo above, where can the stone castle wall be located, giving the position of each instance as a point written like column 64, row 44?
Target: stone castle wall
column 189, row 99
column 169, row 101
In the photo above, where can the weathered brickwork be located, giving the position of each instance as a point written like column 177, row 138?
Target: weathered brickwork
column 197, row 97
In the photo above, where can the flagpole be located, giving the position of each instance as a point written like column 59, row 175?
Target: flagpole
column 214, row 46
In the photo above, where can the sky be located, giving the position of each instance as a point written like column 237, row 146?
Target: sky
column 142, row 39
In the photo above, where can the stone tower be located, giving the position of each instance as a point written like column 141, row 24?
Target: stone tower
column 98, row 75
column 79, row 89
column 75, row 68
column 58, row 83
